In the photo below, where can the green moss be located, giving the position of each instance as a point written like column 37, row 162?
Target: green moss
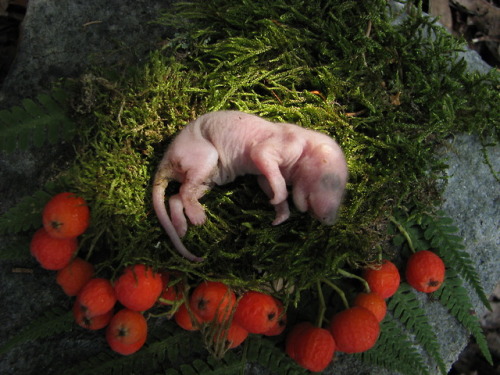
column 387, row 93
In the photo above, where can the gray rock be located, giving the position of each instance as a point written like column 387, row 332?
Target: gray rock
column 61, row 39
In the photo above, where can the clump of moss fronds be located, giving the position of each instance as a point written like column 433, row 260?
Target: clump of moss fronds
column 386, row 92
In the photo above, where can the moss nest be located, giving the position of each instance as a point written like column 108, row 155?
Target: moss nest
column 386, row 92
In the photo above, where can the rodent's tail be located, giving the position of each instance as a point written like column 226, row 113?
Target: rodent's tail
column 159, row 186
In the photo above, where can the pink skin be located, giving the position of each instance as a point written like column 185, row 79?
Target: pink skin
column 219, row 146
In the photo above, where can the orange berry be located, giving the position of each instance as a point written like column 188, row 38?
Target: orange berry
column 92, row 323
column 384, row 279
column 170, row 294
column 127, row 331
column 294, row 336
column 138, row 288
column 256, row 312
column 52, row 253
column 74, row 276
column 185, row 320
column 97, row 297
column 235, row 336
column 66, row 216
column 212, row 299
column 355, row 330
column 425, row 271
column 280, row 324
column 372, row 302
column 312, row 347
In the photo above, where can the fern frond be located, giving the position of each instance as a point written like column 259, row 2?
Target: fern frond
column 409, row 232
column 229, row 365
column 25, row 215
column 267, row 354
column 52, row 322
column 112, row 363
column 173, row 348
column 406, row 307
column 16, row 249
column 395, row 351
column 440, row 231
column 36, row 122
column 455, row 298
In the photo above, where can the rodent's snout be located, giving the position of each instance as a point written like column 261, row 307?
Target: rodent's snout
column 325, row 213
column 328, row 220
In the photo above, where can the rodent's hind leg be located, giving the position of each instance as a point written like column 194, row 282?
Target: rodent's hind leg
column 199, row 170
column 177, row 214
column 190, row 194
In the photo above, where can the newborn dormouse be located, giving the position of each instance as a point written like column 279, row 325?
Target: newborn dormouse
column 219, row 146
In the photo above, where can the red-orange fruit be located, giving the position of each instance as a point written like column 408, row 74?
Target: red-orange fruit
column 172, row 293
column 280, row 324
column 235, row 336
column 373, row 302
column 383, row 279
column 311, row 347
column 138, row 288
column 256, row 312
column 293, row 337
column 93, row 323
column 127, row 331
column 354, row 330
column 425, row 271
column 97, row 297
column 74, row 276
column 212, row 300
column 52, row 253
column 185, row 320
column 66, row 216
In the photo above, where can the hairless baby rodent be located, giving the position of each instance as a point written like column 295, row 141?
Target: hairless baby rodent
column 219, row 146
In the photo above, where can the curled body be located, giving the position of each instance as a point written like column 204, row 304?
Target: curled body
column 217, row 147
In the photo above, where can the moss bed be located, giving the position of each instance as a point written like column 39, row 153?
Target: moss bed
column 387, row 93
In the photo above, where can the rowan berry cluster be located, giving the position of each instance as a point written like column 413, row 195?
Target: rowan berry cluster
column 356, row 329
column 139, row 288
column 64, row 218
column 211, row 303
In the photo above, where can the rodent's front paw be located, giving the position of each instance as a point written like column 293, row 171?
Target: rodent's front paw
column 282, row 213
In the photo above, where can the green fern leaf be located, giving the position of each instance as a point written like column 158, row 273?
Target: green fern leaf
column 36, row 122
column 407, row 309
column 172, row 348
column 455, row 298
column 16, row 249
column 395, row 351
column 51, row 323
column 27, row 214
column 110, row 363
column 267, row 354
column 440, row 231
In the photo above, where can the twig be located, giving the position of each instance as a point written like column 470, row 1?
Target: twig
column 403, row 232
